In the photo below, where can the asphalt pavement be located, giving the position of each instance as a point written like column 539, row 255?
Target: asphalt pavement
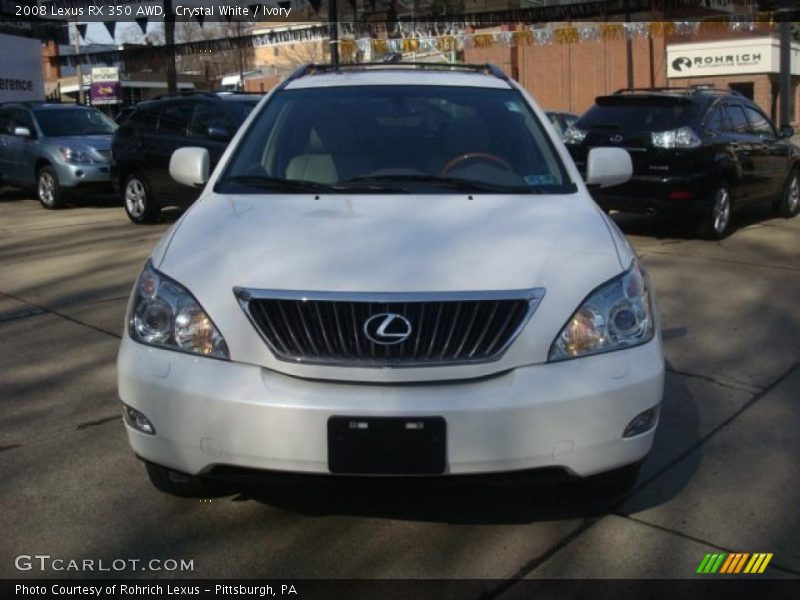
column 724, row 475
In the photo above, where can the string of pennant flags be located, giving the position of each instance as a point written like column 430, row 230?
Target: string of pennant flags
column 414, row 38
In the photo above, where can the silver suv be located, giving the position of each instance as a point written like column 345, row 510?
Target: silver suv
column 56, row 148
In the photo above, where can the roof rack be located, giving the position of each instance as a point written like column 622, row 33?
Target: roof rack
column 310, row 68
column 692, row 89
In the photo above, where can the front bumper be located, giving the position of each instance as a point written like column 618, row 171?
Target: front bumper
column 71, row 176
column 570, row 414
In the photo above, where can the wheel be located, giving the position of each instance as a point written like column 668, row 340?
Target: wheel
column 789, row 203
column 614, row 483
column 717, row 221
column 50, row 192
column 140, row 205
column 179, row 484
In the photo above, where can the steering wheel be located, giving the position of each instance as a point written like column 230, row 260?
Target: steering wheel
column 471, row 156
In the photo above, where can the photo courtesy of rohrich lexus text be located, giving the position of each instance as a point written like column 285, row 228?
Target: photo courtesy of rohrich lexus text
column 434, row 299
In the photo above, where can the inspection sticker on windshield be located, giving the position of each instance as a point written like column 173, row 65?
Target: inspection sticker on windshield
column 540, row 180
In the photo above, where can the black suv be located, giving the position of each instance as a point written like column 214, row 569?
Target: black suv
column 697, row 151
column 147, row 137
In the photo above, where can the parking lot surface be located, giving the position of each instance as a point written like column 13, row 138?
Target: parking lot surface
column 723, row 476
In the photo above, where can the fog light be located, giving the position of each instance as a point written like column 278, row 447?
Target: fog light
column 641, row 423
column 137, row 420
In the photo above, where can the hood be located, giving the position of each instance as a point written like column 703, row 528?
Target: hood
column 99, row 142
column 390, row 243
column 386, row 243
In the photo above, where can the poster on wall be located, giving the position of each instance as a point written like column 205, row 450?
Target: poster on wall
column 105, row 87
column 20, row 69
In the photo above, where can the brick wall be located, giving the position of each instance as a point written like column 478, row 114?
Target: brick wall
column 569, row 76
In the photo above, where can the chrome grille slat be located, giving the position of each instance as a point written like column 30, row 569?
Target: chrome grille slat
column 447, row 328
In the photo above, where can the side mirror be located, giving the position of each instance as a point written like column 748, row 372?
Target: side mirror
column 786, row 132
column 22, row 132
column 219, row 134
column 606, row 167
column 190, row 166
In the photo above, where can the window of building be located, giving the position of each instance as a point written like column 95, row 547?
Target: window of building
column 744, row 88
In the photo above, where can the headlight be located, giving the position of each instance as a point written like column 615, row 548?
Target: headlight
column 75, row 156
column 573, row 135
column 616, row 315
column 163, row 313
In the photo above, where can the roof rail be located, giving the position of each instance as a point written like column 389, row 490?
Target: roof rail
column 183, row 94
column 692, row 89
column 488, row 68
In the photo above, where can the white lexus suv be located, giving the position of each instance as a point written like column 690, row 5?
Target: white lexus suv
column 393, row 270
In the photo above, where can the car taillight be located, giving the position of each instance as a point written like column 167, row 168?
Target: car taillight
column 683, row 137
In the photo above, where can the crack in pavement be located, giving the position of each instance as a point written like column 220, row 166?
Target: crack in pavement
column 50, row 311
column 727, row 261
column 734, row 384
column 773, row 564
column 96, row 422
column 531, row 565
column 32, row 312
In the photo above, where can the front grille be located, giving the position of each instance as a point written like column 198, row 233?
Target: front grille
column 444, row 329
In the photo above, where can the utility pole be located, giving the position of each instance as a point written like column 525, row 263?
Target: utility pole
column 784, row 14
column 629, row 45
column 76, row 44
column 333, row 36
column 169, row 40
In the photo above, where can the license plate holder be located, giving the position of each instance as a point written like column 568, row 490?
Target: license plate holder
column 387, row 445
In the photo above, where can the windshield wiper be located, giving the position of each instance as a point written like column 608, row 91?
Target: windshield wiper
column 456, row 183
column 277, row 183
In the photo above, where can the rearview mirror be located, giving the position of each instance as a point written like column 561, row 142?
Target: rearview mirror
column 190, row 166
column 22, row 132
column 786, row 132
column 606, row 167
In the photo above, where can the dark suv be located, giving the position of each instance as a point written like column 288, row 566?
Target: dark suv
column 147, row 137
column 697, row 151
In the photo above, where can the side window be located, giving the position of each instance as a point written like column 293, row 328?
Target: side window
column 144, row 120
column 759, row 124
column 738, row 120
column 5, row 121
column 717, row 121
column 207, row 115
column 174, row 118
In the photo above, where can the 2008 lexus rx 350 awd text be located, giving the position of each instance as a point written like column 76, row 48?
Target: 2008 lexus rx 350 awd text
column 393, row 270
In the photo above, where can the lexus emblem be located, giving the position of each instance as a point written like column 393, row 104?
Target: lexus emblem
column 615, row 138
column 387, row 329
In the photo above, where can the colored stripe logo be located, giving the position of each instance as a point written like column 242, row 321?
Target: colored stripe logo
column 734, row 563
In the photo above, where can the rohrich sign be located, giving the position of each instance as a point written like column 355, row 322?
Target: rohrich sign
column 730, row 57
column 20, row 69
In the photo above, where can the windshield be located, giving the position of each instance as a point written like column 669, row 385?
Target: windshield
column 642, row 113
column 393, row 138
column 56, row 122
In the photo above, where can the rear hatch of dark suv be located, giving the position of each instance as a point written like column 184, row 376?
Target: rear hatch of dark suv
column 629, row 120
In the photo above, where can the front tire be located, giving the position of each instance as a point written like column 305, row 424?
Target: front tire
column 716, row 223
column 50, row 193
column 140, row 205
column 789, row 204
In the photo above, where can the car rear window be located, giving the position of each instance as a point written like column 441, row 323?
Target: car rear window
column 639, row 113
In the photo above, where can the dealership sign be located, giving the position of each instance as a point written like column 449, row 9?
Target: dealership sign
column 731, row 57
column 20, row 69
column 105, row 88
